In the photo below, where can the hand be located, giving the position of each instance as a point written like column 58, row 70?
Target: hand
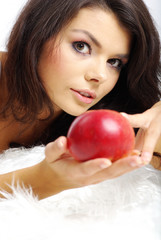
column 149, row 124
column 72, row 174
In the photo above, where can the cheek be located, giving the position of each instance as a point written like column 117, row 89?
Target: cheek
column 61, row 66
column 110, row 84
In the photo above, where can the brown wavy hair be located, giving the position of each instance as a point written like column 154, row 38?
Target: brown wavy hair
column 137, row 89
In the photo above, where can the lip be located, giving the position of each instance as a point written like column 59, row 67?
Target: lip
column 82, row 98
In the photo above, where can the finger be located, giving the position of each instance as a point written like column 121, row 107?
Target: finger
column 77, row 170
column 146, row 140
column 137, row 120
column 139, row 139
column 55, row 149
column 93, row 166
column 151, row 136
column 119, row 168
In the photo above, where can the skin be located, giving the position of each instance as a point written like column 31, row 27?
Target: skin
column 61, row 68
column 148, row 138
column 90, row 67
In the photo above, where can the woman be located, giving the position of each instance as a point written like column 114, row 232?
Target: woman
column 63, row 58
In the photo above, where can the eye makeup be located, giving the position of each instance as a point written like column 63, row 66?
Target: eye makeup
column 82, row 47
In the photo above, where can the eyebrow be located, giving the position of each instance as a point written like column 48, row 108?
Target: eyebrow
column 126, row 56
column 96, row 42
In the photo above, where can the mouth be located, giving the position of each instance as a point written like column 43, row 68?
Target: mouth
column 85, row 95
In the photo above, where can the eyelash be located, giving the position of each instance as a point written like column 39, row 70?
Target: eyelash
column 120, row 63
column 75, row 46
column 83, row 44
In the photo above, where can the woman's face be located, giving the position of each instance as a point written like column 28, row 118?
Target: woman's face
column 84, row 63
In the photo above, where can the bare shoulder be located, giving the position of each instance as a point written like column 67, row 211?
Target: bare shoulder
column 2, row 53
column 5, row 124
column 4, row 135
column 3, row 56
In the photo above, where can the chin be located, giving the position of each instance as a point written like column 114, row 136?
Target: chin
column 75, row 112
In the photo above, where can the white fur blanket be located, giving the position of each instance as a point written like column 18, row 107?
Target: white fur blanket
column 128, row 207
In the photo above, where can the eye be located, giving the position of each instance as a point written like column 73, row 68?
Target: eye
column 116, row 63
column 82, row 47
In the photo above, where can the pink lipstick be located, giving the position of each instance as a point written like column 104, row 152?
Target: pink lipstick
column 84, row 95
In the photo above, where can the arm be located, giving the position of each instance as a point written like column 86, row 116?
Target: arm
column 40, row 177
column 59, row 171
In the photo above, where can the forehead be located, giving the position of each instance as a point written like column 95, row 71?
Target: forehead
column 103, row 25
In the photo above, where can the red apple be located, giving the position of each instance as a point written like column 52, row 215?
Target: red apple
column 100, row 134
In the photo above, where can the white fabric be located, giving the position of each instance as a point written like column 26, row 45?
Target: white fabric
column 128, row 207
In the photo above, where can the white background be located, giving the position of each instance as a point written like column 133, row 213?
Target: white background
column 9, row 10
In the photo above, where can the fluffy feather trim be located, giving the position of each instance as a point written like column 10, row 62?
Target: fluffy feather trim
column 128, row 207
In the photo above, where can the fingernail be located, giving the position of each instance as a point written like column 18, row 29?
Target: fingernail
column 136, row 152
column 60, row 143
column 105, row 164
column 136, row 162
column 124, row 115
column 146, row 157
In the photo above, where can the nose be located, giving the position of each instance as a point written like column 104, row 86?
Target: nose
column 97, row 72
